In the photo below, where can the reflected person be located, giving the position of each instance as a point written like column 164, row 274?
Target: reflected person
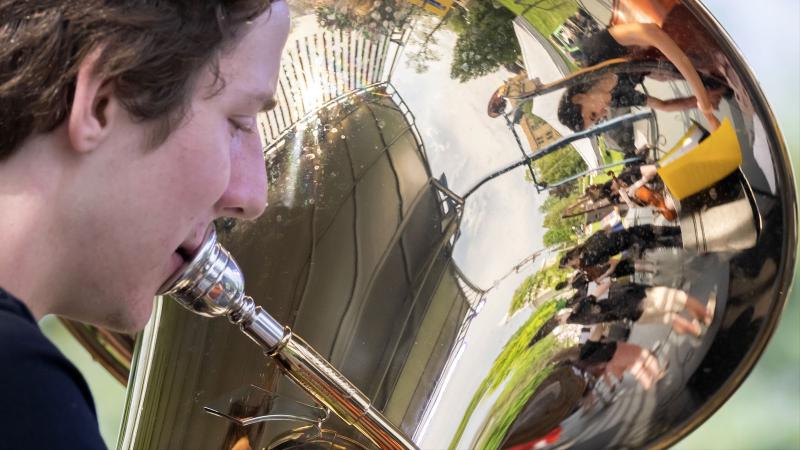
column 602, row 245
column 670, row 31
column 632, row 194
column 611, row 302
column 610, row 359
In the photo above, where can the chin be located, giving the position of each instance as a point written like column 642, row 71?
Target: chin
column 129, row 319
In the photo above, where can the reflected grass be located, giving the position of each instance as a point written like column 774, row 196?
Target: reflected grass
column 521, row 385
column 537, row 285
column 544, row 15
column 524, row 367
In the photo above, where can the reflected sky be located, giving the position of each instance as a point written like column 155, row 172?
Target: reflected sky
column 501, row 223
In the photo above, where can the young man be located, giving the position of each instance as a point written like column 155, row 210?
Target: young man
column 126, row 128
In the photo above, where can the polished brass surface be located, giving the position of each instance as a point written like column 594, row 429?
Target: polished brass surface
column 423, row 193
column 251, row 405
column 308, row 369
column 211, row 285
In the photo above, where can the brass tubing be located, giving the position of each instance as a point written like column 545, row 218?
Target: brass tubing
column 319, row 378
column 309, row 370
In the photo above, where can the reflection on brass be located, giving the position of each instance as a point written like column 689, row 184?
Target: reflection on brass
column 212, row 285
column 251, row 405
column 111, row 349
column 242, row 444
column 508, row 225
column 313, row 438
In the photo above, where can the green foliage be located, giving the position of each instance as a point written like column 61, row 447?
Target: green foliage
column 534, row 285
column 457, row 22
column 553, row 206
column 559, row 165
column 518, row 390
column 601, row 178
column 563, row 190
column 560, row 230
column 550, row 276
column 424, row 42
column 515, row 360
column 381, row 19
column 521, row 295
column 560, row 235
column 544, row 15
column 487, row 42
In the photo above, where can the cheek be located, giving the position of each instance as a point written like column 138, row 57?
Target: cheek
column 250, row 156
column 205, row 167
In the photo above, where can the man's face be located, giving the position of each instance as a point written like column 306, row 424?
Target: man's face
column 139, row 206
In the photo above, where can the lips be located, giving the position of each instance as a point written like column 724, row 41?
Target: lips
column 177, row 262
column 185, row 252
column 191, row 245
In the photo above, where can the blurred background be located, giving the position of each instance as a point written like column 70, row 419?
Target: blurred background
column 764, row 413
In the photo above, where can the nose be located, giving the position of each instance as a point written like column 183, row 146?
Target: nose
column 246, row 193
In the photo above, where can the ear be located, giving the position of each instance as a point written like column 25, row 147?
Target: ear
column 93, row 106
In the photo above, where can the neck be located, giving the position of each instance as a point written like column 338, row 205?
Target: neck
column 29, row 250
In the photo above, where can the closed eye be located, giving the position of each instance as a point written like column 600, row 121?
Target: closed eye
column 239, row 126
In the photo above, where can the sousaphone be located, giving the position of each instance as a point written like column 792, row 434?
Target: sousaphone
column 414, row 281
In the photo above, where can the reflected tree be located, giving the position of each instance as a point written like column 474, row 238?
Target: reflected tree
column 370, row 18
column 559, row 234
column 563, row 190
column 559, row 229
column 487, row 42
column 425, row 41
column 534, row 288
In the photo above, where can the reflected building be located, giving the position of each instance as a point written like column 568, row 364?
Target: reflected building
column 544, row 63
column 538, row 132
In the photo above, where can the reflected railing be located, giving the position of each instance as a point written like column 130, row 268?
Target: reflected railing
column 325, row 66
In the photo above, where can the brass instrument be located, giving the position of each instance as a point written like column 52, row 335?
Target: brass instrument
column 212, row 285
column 415, row 238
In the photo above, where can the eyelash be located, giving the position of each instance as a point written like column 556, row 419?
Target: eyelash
column 239, row 127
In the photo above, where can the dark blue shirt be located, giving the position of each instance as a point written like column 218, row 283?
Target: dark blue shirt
column 44, row 401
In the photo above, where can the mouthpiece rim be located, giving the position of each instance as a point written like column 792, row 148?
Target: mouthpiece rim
column 173, row 282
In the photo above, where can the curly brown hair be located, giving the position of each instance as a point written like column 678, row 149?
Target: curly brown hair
column 152, row 51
